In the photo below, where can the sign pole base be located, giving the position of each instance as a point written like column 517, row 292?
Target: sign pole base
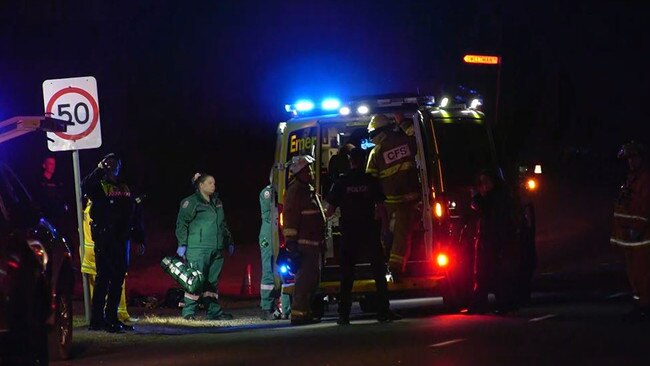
column 77, row 192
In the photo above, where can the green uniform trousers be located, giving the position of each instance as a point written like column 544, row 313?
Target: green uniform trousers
column 268, row 292
column 209, row 262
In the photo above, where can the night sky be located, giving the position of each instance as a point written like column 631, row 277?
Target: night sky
column 186, row 86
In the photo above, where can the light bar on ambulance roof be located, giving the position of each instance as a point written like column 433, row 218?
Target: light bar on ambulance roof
column 444, row 102
column 475, row 103
column 358, row 106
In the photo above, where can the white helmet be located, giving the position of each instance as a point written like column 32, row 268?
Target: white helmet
column 298, row 163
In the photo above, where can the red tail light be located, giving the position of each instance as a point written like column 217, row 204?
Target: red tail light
column 442, row 259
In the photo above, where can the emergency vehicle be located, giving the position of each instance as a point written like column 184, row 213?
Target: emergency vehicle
column 454, row 143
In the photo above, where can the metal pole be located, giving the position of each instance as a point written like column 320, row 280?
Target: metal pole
column 77, row 193
column 496, row 109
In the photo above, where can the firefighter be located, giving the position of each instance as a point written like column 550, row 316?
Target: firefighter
column 393, row 161
column 88, row 265
column 630, row 229
column 268, row 291
column 304, row 228
column 361, row 200
column 114, row 221
column 202, row 235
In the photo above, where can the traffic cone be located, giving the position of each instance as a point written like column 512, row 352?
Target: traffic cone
column 246, row 285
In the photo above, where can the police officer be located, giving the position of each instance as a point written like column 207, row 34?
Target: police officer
column 114, row 223
column 202, row 235
column 392, row 160
column 304, row 226
column 268, row 291
column 361, row 200
column 630, row 230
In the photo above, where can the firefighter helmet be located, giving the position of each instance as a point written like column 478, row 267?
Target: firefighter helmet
column 298, row 163
column 631, row 148
column 377, row 122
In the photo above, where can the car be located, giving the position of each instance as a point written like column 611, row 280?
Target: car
column 36, row 280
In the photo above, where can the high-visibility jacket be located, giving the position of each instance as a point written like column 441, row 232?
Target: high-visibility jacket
column 632, row 212
column 88, row 260
column 393, row 162
column 304, row 219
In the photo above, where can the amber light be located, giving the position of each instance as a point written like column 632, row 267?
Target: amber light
column 442, row 260
column 531, row 184
column 438, row 210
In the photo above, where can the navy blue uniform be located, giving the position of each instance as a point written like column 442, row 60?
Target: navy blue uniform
column 356, row 194
column 115, row 220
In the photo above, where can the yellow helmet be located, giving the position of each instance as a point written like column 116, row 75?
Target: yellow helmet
column 378, row 121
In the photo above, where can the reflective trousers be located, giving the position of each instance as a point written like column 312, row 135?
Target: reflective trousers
column 307, row 281
column 209, row 262
column 404, row 219
column 638, row 272
column 268, row 292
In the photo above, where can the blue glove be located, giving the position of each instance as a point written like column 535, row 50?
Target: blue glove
column 231, row 249
column 181, row 251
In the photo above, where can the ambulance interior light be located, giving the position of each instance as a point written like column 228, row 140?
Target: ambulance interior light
column 344, row 111
column 363, row 109
column 444, row 102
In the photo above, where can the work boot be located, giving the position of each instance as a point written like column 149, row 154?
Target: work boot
column 267, row 315
column 126, row 327
column 222, row 316
column 114, row 328
column 96, row 326
column 387, row 316
column 343, row 320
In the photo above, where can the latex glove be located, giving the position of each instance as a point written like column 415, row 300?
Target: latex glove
column 231, row 249
column 292, row 245
column 181, row 251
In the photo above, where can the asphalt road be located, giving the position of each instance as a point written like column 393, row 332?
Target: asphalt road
column 574, row 320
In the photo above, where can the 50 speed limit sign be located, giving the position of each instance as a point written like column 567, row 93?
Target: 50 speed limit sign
column 74, row 100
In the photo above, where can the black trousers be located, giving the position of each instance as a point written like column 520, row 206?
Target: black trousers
column 493, row 272
column 358, row 243
column 111, row 260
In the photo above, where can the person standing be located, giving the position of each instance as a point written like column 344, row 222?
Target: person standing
column 304, row 231
column 361, row 200
column 392, row 160
column 630, row 229
column 495, row 249
column 50, row 194
column 89, row 268
column 203, row 235
column 114, row 222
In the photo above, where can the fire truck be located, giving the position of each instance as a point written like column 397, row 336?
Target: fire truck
column 454, row 143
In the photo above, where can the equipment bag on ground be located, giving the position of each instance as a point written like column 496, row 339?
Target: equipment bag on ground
column 190, row 279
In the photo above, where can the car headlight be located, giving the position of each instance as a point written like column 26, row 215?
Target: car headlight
column 39, row 251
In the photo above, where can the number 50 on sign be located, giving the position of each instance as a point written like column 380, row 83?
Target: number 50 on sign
column 74, row 100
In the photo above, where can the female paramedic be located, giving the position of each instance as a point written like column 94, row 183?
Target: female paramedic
column 202, row 235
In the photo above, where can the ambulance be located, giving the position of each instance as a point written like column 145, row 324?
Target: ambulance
column 454, row 143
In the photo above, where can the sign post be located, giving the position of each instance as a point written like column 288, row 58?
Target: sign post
column 488, row 60
column 75, row 100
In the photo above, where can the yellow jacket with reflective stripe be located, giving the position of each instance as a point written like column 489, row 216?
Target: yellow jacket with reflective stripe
column 88, row 261
column 304, row 219
column 393, row 162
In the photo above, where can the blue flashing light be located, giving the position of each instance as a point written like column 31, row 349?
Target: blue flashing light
column 366, row 144
column 304, row 105
column 330, row 104
column 284, row 269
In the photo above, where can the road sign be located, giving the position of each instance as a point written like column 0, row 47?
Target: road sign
column 74, row 100
column 482, row 59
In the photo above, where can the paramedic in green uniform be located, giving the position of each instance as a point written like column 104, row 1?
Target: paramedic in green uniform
column 202, row 236
column 268, row 292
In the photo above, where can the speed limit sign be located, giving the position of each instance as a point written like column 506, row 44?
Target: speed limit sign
column 74, row 100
